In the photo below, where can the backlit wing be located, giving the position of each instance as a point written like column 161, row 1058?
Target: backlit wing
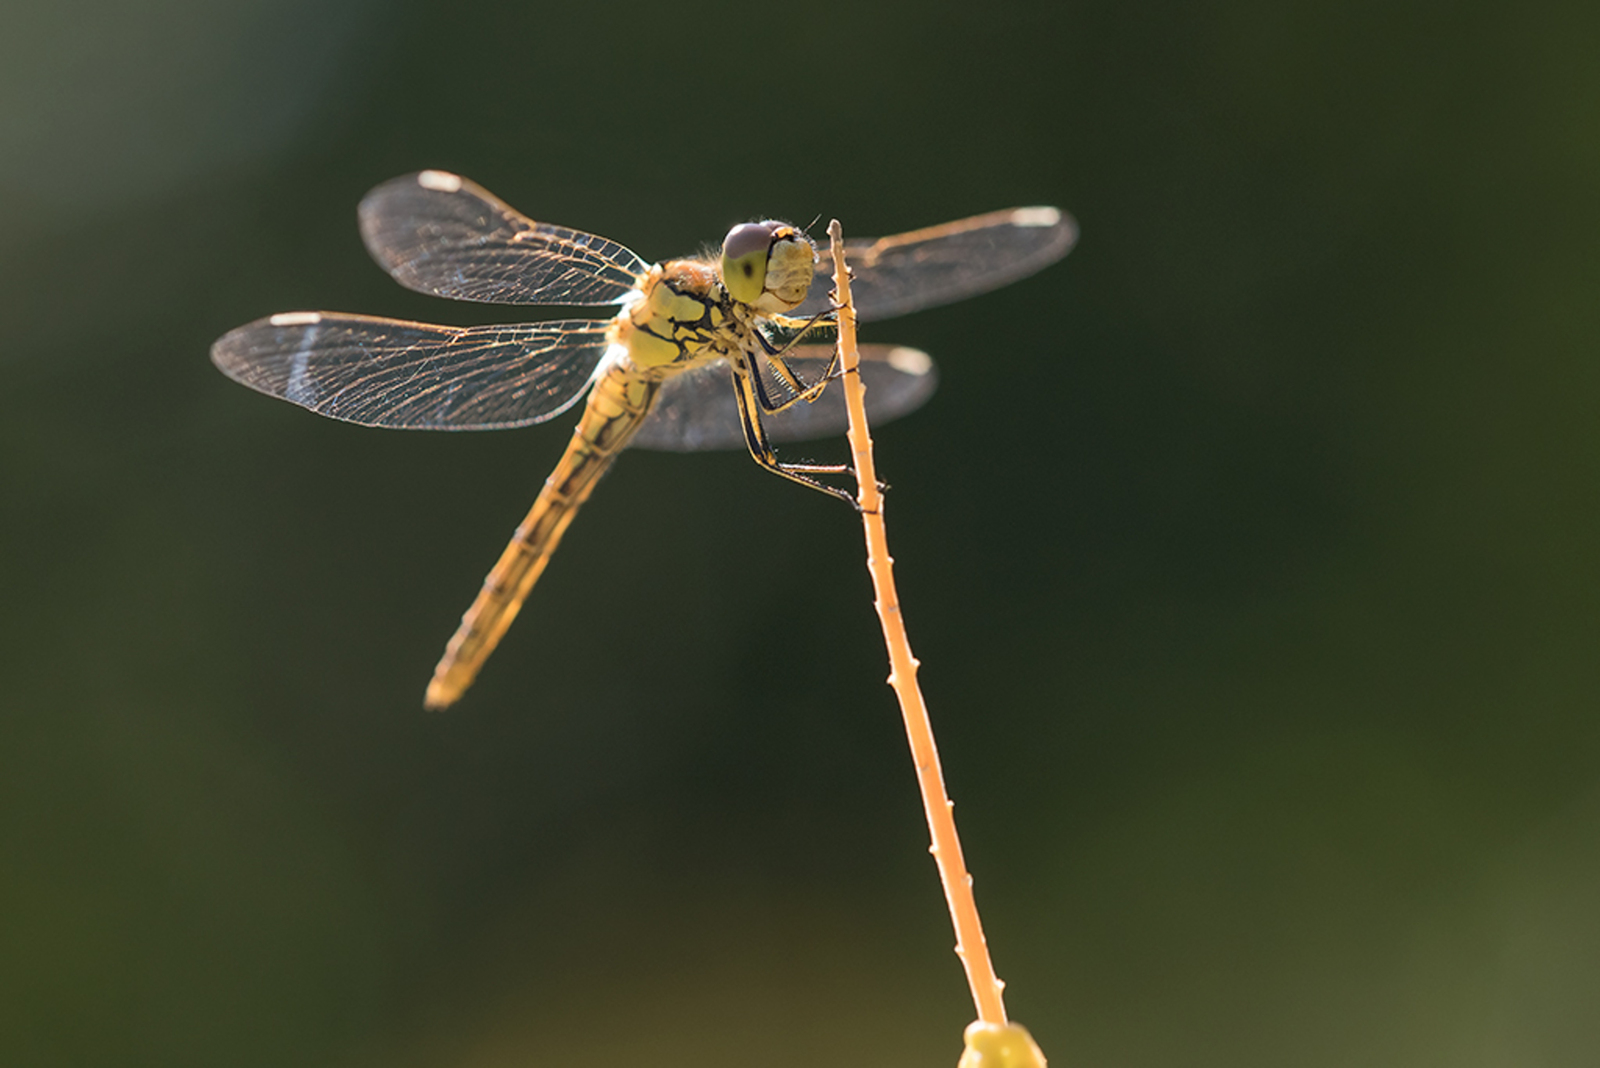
column 697, row 410
column 925, row 268
column 415, row 376
column 439, row 233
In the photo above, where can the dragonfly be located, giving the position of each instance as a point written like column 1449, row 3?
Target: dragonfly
column 656, row 374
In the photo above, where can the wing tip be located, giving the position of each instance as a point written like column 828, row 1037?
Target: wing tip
column 440, row 181
column 1048, row 217
column 222, row 357
column 910, row 361
column 295, row 319
column 1038, row 215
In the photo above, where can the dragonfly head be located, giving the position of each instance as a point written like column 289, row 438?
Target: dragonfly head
column 768, row 265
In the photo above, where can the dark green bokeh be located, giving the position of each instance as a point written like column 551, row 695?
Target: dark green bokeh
column 1251, row 552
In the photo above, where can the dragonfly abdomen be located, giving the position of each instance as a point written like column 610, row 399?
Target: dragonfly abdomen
column 617, row 405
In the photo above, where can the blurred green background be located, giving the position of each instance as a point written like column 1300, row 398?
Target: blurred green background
column 1250, row 552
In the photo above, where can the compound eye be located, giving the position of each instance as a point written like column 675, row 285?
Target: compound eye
column 744, row 260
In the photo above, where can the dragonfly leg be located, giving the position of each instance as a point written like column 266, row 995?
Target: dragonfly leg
column 799, row 391
column 747, row 389
column 799, row 328
column 792, row 381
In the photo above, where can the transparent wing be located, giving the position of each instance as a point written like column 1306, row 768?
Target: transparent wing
column 438, row 233
column 925, row 268
column 696, row 411
column 415, row 376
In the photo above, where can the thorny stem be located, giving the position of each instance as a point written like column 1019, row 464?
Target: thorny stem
column 946, row 847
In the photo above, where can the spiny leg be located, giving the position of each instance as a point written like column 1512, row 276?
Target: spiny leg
column 747, row 392
column 781, row 368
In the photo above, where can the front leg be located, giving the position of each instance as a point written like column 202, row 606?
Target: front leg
column 780, row 367
column 748, row 392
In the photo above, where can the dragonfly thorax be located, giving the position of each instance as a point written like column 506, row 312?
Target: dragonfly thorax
column 682, row 317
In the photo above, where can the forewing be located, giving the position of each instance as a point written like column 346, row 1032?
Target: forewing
column 697, row 410
column 439, row 233
column 925, row 268
column 415, row 376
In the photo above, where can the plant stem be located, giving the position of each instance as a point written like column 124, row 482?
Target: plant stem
column 946, row 848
